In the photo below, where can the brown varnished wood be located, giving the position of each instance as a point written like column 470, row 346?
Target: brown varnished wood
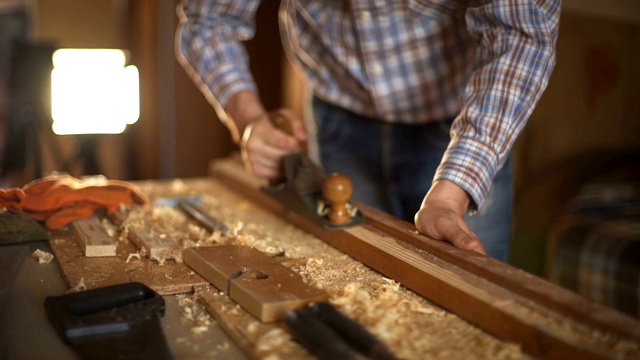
column 561, row 300
column 261, row 285
column 168, row 278
column 245, row 330
column 93, row 238
column 337, row 190
column 494, row 296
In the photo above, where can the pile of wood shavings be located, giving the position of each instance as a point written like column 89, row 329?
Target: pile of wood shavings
column 43, row 257
column 409, row 324
column 193, row 314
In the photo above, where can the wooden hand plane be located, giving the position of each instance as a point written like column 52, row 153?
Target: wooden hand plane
column 322, row 199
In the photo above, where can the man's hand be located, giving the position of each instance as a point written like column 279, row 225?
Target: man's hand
column 441, row 216
column 264, row 145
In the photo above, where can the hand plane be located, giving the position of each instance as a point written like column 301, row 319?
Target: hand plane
column 321, row 199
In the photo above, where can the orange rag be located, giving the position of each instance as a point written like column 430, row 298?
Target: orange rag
column 59, row 200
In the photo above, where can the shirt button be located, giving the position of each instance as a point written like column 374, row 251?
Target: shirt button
column 365, row 16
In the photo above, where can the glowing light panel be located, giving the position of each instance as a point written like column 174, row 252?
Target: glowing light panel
column 92, row 92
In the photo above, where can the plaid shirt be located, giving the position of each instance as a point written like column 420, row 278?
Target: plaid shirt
column 484, row 61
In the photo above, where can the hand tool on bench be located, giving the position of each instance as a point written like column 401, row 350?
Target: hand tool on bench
column 114, row 322
column 207, row 221
column 191, row 206
column 306, row 190
column 323, row 200
column 271, row 292
column 329, row 334
column 260, row 284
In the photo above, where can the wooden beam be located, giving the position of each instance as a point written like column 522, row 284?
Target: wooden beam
column 245, row 330
column 93, row 237
column 545, row 319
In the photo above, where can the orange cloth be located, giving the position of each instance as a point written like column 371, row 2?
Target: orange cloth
column 59, row 200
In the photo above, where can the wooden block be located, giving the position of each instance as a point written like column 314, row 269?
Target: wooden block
column 261, row 285
column 157, row 244
column 93, row 237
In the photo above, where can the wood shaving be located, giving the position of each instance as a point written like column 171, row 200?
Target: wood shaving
column 109, row 227
column 273, row 340
column 42, row 256
column 133, row 255
column 80, row 286
column 194, row 314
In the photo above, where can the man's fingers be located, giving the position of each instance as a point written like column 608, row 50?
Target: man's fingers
column 296, row 126
column 269, row 139
column 463, row 240
column 443, row 224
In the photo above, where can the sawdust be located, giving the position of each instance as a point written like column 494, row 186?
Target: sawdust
column 410, row 325
column 194, row 315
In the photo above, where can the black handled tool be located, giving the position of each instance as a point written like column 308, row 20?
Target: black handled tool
column 114, row 322
column 329, row 334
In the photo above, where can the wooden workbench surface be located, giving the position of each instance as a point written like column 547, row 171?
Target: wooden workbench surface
column 412, row 326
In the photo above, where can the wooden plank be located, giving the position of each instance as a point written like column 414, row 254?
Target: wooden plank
column 156, row 243
column 543, row 292
column 245, row 330
column 93, row 237
column 483, row 291
column 261, row 285
column 169, row 278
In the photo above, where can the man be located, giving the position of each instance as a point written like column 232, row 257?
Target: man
column 418, row 101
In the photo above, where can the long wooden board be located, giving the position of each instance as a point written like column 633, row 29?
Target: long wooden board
column 245, row 330
column 545, row 319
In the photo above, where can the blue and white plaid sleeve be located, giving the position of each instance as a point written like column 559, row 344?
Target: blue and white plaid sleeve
column 210, row 41
column 516, row 56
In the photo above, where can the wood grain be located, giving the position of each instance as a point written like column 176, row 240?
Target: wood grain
column 261, row 285
column 245, row 330
column 492, row 295
column 156, row 243
column 93, row 238
column 168, row 278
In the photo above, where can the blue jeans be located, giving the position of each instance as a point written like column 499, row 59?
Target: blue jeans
column 392, row 168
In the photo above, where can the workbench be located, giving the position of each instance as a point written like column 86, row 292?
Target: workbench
column 395, row 309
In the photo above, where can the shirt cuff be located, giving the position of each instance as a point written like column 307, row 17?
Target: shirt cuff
column 470, row 164
column 226, row 81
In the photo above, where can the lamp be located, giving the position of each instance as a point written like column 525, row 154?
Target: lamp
column 93, row 92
